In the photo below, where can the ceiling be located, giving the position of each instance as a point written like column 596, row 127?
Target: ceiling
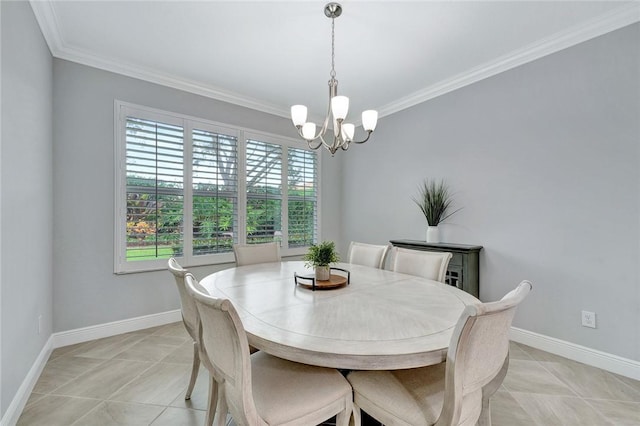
column 269, row 55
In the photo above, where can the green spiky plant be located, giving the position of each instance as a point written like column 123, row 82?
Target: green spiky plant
column 434, row 201
column 322, row 254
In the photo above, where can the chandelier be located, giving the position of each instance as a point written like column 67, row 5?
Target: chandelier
column 343, row 132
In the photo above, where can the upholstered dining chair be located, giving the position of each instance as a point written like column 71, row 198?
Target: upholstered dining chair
column 189, row 318
column 453, row 393
column 426, row 264
column 248, row 254
column 367, row 254
column 261, row 389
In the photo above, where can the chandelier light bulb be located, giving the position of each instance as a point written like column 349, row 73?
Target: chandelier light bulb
column 340, row 107
column 309, row 131
column 349, row 130
column 369, row 120
column 298, row 115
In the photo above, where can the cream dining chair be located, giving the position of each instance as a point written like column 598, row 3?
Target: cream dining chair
column 367, row 254
column 426, row 264
column 249, row 254
column 261, row 389
column 447, row 394
column 189, row 318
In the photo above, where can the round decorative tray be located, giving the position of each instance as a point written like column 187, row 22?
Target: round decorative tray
column 334, row 281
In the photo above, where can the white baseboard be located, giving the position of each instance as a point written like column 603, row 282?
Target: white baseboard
column 79, row 335
column 14, row 410
column 72, row 337
column 605, row 361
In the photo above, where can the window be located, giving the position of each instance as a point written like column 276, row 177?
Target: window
column 190, row 188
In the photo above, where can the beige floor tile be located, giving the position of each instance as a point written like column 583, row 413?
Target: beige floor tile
column 173, row 329
column 629, row 381
column 53, row 410
column 591, row 382
column 62, row 370
column 161, row 384
column 199, row 396
column 151, row 348
column 102, row 381
column 559, row 410
column 108, row 347
column 618, row 412
column 111, row 413
column 66, row 350
column 530, row 376
column 516, row 352
column 180, row 416
column 505, row 411
column 539, row 355
column 34, row 397
column 183, row 354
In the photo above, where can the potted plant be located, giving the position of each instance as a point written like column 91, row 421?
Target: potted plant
column 434, row 201
column 320, row 256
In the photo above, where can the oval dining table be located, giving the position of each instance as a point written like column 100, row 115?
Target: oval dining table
column 382, row 320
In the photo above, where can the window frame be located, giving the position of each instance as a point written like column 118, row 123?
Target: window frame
column 189, row 123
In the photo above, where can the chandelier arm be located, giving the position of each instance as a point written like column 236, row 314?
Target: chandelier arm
column 365, row 139
column 326, row 145
column 314, row 147
column 321, row 133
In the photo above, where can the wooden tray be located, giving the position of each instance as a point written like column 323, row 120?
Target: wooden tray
column 334, row 281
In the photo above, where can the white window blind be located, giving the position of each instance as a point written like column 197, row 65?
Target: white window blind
column 302, row 197
column 154, row 189
column 264, row 191
column 215, row 192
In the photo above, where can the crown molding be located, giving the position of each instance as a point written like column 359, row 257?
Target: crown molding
column 48, row 22
column 616, row 19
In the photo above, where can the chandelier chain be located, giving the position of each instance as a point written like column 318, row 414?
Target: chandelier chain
column 333, row 55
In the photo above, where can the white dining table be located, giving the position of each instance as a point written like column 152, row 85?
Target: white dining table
column 381, row 320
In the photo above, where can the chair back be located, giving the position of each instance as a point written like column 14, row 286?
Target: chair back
column 477, row 353
column 367, row 254
column 225, row 346
column 249, row 254
column 427, row 264
column 187, row 305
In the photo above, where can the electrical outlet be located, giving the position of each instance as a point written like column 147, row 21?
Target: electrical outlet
column 588, row 319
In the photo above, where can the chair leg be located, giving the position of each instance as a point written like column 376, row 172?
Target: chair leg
column 343, row 417
column 357, row 415
column 213, row 401
column 194, row 370
column 221, row 410
column 488, row 391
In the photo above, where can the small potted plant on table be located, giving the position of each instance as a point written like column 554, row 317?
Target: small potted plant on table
column 320, row 256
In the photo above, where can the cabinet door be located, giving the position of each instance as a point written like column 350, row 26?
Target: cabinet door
column 454, row 275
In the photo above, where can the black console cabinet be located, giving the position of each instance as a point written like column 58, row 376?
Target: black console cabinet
column 464, row 267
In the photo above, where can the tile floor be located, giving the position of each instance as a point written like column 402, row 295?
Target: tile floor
column 139, row 378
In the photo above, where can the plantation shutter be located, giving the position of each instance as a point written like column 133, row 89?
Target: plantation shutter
column 215, row 188
column 264, row 192
column 154, row 189
column 302, row 197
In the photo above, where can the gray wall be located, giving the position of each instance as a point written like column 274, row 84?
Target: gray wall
column 86, row 292
column 26, row 167
column 544, row 159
